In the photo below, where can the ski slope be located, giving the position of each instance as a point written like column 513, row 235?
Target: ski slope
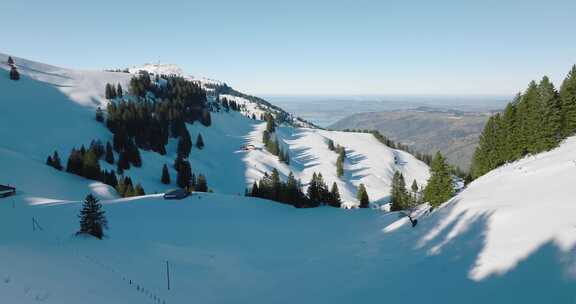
column 508, row 237
column 53, row 109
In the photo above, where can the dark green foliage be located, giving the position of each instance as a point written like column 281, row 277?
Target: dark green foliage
column 568, row 103
column 99, row 115
column 92, row 218
column 110, row 91
column 362, row 196
column 158, row 111
column 109, row 154
column 270, row 123
column 317, row 191
column 440, row 187
column 201, row 184
column 119, row 91
column 340, row 161
column 184, row 144
column 273, row 188
column 138, row 190
column 165, row 175
column 125, row 187
column 206, row 118
column 331, row 146
column 14, row 74
column 536, row 121
column 90, row 165
column 184, row 173
column 199, row 142
column 54, row 161
column 400, row 199
column 335, row 200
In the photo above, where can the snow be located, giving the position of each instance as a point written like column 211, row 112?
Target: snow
column 508, row 237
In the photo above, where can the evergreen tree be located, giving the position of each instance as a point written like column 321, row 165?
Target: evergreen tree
column 14, row 74
column 90, row 165
column 92, row 218
column 416, row 192
column 199, row 142
column 184, row 174
column 568, row 103
column 440, row 187
column 255, row 191
column 270, row 123
column 109, row 156
column 206, row 119
column 139, row 190
column 399, row 197
column 184, row 144
column 119, row 91
column 335, row 200
column 362, row 196
column 165, row 175
column 123, row 162
column 202, row 184
column 56, row 163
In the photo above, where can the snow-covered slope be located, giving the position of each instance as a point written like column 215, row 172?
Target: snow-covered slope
column 52, row 109
column 509, row 237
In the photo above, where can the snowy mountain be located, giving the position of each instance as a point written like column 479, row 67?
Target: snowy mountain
column 60, row 106
column 508, row 237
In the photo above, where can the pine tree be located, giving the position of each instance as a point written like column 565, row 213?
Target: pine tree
column 335, row 200
column 90, row 165
column 184, row 144
column 109, row 156
column 202, row 184
column 568, row 103
column 440, row 187
column 199, row 142
column 56, row 163
column 92, row 218
column 362, row 196
column 399, row 197
column 415, row 192
column 139, row 190
column 119, row 91
column 184, row 174
column 255, row 191
column 165, row 175
column 14, row 74
column 206, row 119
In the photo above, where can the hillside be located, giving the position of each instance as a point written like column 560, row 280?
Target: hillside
column 53, row 109
column 510, row 232
column 454, row 133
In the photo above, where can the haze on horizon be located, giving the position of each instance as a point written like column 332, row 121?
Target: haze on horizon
column 301, row 47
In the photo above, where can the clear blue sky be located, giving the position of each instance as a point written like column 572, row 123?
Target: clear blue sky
column 309, row 47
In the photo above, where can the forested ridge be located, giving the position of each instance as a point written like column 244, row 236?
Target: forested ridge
column 536, row 120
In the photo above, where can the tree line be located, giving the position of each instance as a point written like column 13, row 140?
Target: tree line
column 536, row 120
column 290, row 191
column 85, row 162
column 156, row 111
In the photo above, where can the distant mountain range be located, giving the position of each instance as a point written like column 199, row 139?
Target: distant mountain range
column 455, row 133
